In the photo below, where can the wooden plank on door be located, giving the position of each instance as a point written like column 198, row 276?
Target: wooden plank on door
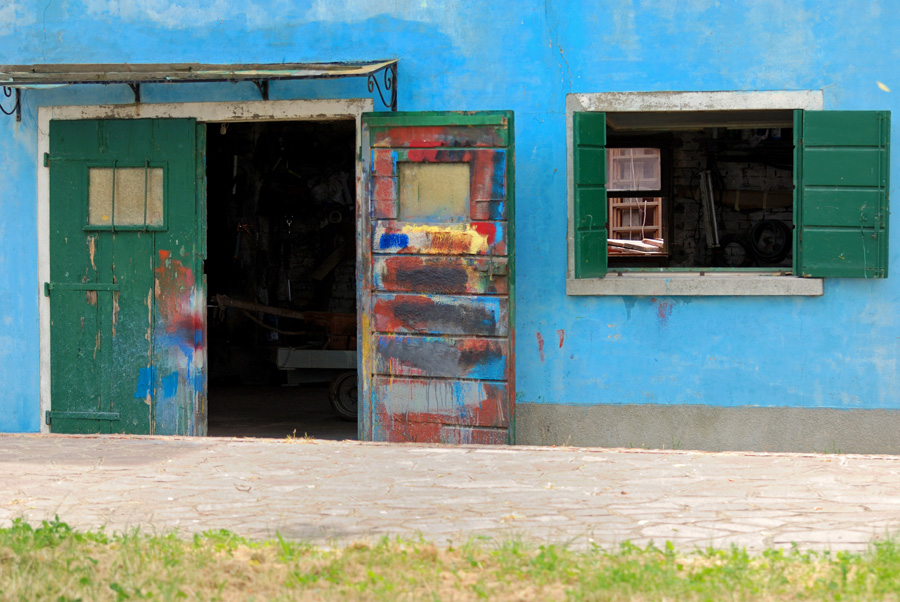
column 417, row 274
column 442, row 314
column 447, row 357
column 473, row 238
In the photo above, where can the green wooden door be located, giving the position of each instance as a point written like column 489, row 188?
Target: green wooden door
column 127, row 305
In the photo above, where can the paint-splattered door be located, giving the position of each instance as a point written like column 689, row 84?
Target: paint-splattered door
column 437, row 361
column 127, row 314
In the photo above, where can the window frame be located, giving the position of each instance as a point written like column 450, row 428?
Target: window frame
column 693, row 282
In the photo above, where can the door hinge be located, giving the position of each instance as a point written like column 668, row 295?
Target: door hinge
column 83, row 416
column 80, row 286
column 47, row 417
column 46, row 159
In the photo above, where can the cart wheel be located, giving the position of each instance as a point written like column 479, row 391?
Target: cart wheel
column 343, row 395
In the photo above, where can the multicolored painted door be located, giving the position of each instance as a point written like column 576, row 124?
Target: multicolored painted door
column 437, row 338
column 127, row 310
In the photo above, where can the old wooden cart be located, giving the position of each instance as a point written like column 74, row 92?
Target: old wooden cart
column 334, row 363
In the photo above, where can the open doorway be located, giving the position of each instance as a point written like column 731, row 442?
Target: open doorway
column 281, row 279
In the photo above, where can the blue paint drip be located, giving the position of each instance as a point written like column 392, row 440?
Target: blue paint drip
column 170, row 385
column 198, row 382
column 394, row 158
column 146, row 377
column 463, row 411
column 498, row 188
column 393, row 241
column 173, row 340
column 165, row 417
column 499, row 232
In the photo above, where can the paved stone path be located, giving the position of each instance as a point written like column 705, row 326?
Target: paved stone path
column 332, row 492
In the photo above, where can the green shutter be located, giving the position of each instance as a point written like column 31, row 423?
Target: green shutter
column 841, row 193
column 589, row 132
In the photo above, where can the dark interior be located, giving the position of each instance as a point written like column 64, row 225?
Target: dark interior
column 748, row 160
column 281, row 284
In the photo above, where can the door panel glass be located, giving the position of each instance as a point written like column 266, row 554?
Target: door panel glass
column 138, row 196
column 434, row 192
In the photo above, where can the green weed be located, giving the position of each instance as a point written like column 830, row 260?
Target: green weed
column 52, row 561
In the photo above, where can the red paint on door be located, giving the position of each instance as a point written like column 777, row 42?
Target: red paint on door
column 437, row 352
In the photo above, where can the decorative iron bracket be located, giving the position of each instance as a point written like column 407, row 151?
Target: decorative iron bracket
column 136, row 88
column 263, row 85
column 389, row 80
column 17, row 108
column 381, row 77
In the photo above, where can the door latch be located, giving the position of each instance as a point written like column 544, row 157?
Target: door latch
column 495, row 266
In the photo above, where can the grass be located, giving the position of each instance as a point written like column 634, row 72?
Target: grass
column 54, row 562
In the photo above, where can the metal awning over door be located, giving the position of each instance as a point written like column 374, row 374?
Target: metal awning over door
column 381, row 76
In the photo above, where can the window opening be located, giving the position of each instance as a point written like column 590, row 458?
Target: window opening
column 688, row 190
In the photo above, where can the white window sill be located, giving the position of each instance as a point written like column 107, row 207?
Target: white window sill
column 695, row 284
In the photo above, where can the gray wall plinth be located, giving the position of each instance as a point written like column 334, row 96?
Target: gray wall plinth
column 710, row 428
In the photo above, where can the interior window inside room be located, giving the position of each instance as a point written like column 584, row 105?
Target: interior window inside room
column 636, row 202
column 281, row 279
column 700, row 190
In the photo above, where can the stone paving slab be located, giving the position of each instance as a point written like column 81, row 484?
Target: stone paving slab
column 332, row 492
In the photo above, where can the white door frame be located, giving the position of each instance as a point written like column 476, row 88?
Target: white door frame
column 203, row 112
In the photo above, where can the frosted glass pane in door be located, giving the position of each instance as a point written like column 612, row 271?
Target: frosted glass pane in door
column 434, row 192
column 138, row 196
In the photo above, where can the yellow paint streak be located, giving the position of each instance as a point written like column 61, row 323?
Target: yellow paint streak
column 365, row 348
column 451, row 236
column 364, row 316
column 91, row 298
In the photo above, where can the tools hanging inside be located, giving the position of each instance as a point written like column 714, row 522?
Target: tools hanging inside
column 709, row 209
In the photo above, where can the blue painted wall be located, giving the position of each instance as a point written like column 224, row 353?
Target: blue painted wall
column 836, row 351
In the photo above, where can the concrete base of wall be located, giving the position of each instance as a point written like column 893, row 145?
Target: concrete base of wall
column 710, row 428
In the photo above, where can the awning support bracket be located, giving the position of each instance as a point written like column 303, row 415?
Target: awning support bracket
column 136, row 88
column 17, row 108
column 263, row 86
column 389, row 79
